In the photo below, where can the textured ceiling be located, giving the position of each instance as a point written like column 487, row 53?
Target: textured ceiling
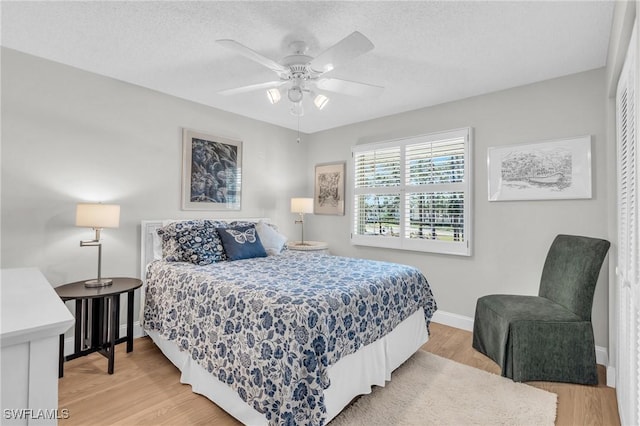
column 426, row 52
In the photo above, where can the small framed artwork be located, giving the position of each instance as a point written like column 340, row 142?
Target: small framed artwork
column 329, row 189
column 211, row 172
column 559, row 169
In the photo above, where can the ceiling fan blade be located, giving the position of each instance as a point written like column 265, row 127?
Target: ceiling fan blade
column 352, row 88
column 251, row 88
column 252, row 54
column 353, row 45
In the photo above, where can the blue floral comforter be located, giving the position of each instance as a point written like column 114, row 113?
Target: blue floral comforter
column 270, row 327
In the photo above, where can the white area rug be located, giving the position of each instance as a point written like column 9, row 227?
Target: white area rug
column 431, row 390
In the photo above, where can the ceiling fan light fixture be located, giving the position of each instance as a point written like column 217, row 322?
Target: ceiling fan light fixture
column 302, row 73
column 321, row 101
column 295, row 94
column 273, row 95
column 297, row 109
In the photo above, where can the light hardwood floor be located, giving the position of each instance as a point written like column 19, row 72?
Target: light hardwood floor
column 146, row 389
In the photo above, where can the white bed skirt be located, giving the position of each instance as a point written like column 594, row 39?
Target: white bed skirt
column 353, row 375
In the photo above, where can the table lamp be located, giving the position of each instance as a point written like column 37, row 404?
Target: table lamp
column 97, row 216
column 301, row 206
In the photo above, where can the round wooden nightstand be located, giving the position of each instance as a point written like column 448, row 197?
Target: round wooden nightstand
column 313, row 247
column 97, row 327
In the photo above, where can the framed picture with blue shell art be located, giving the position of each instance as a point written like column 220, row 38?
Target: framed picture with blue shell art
column 211, row 172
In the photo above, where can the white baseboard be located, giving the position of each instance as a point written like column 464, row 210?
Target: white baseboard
column 453, row 320
column 466, row 323
column 137, row 332
column 602, row 356
column 611, row 377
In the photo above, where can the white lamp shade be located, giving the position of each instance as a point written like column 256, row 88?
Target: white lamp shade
column 302, row 205
column 297, row 109
column 321, row 101
column 273, row 95
column 98, row 215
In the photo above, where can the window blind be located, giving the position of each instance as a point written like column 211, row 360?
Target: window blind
column 414, row 193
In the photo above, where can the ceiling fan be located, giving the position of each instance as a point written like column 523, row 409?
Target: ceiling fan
column 304, row 74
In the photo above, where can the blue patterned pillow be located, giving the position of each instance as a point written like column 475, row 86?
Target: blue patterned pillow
column 200, row 245
column 241, row 242
column 195, row 241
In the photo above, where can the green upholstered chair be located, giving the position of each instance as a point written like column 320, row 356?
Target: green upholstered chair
column 547, row 337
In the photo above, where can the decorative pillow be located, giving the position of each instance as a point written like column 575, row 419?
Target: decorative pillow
column 272, row 241
column 200, row 245
column 170, row 248
column 171, row 234
column 241, row 242
column 237, row 223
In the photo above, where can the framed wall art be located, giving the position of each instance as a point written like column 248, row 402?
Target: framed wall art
column 559, row 169
column 211, row 172
column 329, row 189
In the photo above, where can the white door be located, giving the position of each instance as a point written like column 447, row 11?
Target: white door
column 628, row 268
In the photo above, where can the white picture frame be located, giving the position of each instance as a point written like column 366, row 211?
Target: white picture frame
column 211, row 172
column 329, row 188
column 550, row 170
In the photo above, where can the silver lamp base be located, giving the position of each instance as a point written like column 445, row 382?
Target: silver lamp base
column 102, row 282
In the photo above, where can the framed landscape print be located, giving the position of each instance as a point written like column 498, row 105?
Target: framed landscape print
column 329, row 189
column 211, row 172
column 550, row 170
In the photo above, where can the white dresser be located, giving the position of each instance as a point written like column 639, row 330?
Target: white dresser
column 31, row 320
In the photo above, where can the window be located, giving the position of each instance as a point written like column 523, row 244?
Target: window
column 414, row 193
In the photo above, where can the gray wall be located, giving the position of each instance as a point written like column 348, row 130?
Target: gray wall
column 510, row 238
column 70, row 136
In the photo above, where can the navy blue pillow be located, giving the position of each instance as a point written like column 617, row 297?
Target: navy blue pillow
column 200, row 245
column 241, row 242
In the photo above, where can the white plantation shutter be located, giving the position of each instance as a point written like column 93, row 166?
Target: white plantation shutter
column 627, row 172
column 435, row 191
column 414, row 193
column 438, row 162
column 377, row 180
column 378, row 168
column 628, row 267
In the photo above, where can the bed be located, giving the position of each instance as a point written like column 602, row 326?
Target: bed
column 285, row 339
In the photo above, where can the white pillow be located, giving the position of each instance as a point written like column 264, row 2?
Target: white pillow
column 272, row 241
